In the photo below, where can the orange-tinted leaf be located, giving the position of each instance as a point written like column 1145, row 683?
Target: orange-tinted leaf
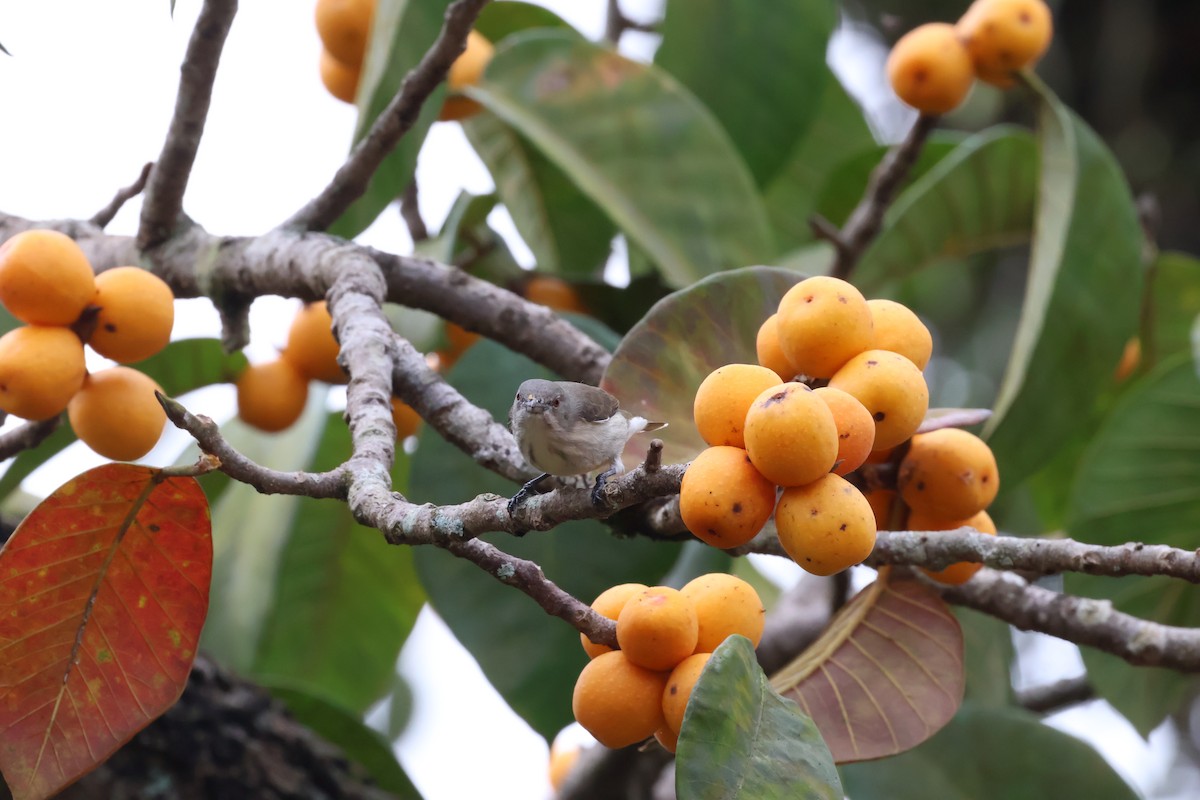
column 103, row 591
column 885, row 675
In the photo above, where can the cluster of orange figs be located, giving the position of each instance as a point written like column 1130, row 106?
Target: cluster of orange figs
column 125, row 314
column 666, row 637
column 933, row 67
column 779, row 447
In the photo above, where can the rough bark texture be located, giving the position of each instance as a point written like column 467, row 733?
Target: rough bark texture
column 227, row 739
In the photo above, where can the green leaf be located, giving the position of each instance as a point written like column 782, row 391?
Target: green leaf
column 401, row 33
column 531, row 659
column 360, row 743
column 188, row 364
column 1082, row 297
column 566, row 231
column 990, row 754
column 1175, row 305
column 761, row 75
column 837, row 133
column 466, row 240
column 1140, row 478
column 662, row 360
column 635, row 142
column 989, row 654
column 344, row 600
column 498, row 20
column 249, row 531
column 741, row 739
column 978, row 197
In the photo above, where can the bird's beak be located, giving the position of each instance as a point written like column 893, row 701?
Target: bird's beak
column 534, row 404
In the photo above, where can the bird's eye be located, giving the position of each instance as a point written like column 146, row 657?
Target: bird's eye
column 555, row 402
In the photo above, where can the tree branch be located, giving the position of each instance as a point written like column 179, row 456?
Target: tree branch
column 464, row 425
column 305, row 265
column 939, row 549
column 866, row 220
column 1080, row 620
column 410, row 211
column 27, row 436
column 529, row 578
column 237, row 466
column 168, row 180
column 1057, row 696
column 352, row 177
column 105, row 215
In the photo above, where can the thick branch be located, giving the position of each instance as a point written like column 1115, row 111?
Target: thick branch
column 867, row 218
column 939, row 549
column 168, row 180
column 529, row 578
column 1080, row 620
column 305, row 266
column 355, row 303
column 401, row 114
column 27, row 436
column 237, row 466
column 105, row 215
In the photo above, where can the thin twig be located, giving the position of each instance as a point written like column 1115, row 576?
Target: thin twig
column 529, row 578
column 168, row 180
column 1057, row 696
column 616, row 23
column 237, row 466
column 105, row 215
column 27, row 436
column 866, row 220
column 410, row 211
column 401, row 114
column 466, row 426
column 1080, row 620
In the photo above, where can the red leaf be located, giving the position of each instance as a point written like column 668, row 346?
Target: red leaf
column 103, row 591
column 885, row 675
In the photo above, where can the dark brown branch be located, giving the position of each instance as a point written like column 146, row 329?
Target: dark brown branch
column 237, row 466
column 401, row 114
column 27, row 436
column 464, row 425
column 410, row 211
column 866, row 220
column 616, row 23
column 1057, row 696
column 529, row 578
column 939, row 549
column 1080, row 620
column 164, row 192
column 105, row 215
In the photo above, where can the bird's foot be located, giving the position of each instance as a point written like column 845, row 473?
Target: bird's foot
column 598, row 499
column 521, row 496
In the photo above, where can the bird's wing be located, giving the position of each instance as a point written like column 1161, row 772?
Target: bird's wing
column 595, row 404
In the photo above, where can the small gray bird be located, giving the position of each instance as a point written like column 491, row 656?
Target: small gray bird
column 566, row 428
